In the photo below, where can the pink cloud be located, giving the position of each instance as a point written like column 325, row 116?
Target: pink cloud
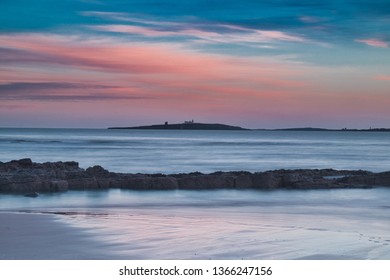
column 374, row 43
column 156, row 78
column 166, row 81
column 232, row 34
column 227, row 33
column 158, row 60
column 382, row 78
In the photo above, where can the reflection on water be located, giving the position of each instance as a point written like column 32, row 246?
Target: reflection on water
column 226, row 224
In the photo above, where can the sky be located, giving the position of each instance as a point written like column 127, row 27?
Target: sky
column 256, row 64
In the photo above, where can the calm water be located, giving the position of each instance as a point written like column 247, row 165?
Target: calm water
column 218, row 224
column 205, row 151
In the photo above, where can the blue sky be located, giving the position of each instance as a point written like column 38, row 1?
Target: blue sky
column 276, row 63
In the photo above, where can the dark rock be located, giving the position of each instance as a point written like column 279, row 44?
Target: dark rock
column 266, row 180
column 5, row 183
column 86, row 183
column 163, row 183
column 24, row 162
column 368, row 179
column 25, row 176
column 72, row 164
column 97, row 170
column 33, row 194
column 145, row 182
column 206, row 182
column 243, row 181
column 59, row 185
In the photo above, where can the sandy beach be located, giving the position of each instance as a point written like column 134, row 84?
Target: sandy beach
column 43, row 237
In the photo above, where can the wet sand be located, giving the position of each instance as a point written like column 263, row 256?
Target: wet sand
column 187, row 225
column 152, row 235
column 44, row 237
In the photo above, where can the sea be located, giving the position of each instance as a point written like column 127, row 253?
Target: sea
column 214, row 224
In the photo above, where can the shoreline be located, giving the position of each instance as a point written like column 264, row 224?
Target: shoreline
column 27, row 177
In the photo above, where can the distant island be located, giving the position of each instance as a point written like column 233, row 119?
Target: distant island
column 188, row 125
column 191, row 125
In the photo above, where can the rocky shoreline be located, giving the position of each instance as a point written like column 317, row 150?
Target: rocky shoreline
column 25, row 177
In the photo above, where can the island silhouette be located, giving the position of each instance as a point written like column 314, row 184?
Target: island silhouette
column 191, row 125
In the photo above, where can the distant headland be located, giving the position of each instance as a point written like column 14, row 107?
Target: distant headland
column 188, row 125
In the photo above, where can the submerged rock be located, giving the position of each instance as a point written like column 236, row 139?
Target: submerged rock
column 24, row 176
column 33, row 194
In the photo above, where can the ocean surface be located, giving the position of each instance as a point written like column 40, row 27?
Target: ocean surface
column 175, row 151
column 214, row 224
